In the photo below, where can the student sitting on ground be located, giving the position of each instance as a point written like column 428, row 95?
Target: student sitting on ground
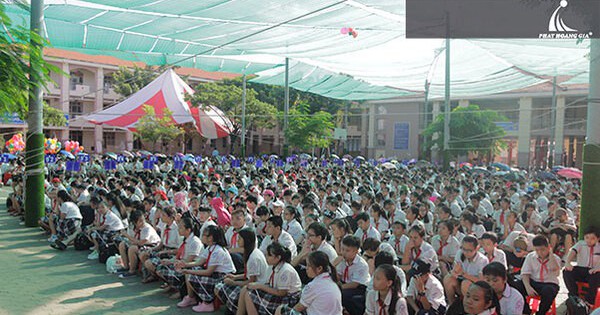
column 322, row 296
column 202, row 275
column 65, row 224
column 468, row 264
column 283, row 287
column 511, row 300
column 316, row 240
column 353, row 272
column 481, row 300
column 489, row 243
column 275, row 233
column 386, row 296
column 170, row 242
column 108, row 228
column 255, row 270
column 144, row 238
column 587, row 255
column 425, row 293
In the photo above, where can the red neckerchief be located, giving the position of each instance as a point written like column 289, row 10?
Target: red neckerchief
column 205, row 266
column 233, row 240
column 397, row 246
column 415, row 253
column 348, row 265
column 181, row 250
column 442, row 245
column 591, row 261
column 543, row 265
column 167, row 229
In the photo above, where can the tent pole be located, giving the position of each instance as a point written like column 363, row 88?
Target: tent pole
column 244, row 116
column 591, row 150
column 34, row 154
column 286, row 109
column 552, row 141
column 447, row 104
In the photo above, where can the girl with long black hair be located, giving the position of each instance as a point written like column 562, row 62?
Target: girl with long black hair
column 386, row 296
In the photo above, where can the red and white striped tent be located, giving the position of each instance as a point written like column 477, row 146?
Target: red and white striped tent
column 166, row 91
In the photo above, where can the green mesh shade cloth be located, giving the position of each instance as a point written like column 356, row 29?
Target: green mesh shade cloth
column 228, row 35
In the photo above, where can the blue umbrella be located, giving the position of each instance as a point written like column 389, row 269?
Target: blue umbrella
column 67, row 154
column 501, row 166
column 10, row 156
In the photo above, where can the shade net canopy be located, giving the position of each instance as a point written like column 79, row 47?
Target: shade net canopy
column 165, row 92
column 254, row 37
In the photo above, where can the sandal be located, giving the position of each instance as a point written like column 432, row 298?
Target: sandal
column 149, row 279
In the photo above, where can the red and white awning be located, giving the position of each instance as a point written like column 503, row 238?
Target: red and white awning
column 166, row 91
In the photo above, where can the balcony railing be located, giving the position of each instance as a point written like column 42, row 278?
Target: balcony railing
column 82, row 91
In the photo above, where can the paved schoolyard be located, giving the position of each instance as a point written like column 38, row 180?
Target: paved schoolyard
column 36, row 279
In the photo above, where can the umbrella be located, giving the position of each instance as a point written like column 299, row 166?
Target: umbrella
column 501, row 166
column 479, row 169
column 111, row 155
column 67, row 154
column 335, row 156
column 570, row 173
column 127, row 154
column 144, row 153
column 513, row 176
column 348, row 156
column 412, row 161
column 160, row 155
column 545, row 175
column 305, row 156
column 389, row 166
column 466, row 165
column 10, row 156
column 360, row 158
column 422, row 163
column 557, row 168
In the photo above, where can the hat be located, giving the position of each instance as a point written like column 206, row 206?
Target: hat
column 278, row 203
column 56, row 180
column 232, row 189
column 268, row 192
column 420, row 267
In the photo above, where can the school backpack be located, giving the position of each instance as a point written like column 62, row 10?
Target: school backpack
column 576, row 306
column 81, row 242
column 105, row 251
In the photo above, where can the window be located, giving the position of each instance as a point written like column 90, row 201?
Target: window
column 76, row 135
column 108, row 83
column 75, row 109
column 76, row 77
column 381, row 140
column 109, row 139
column 137, row 144
column 189, row 145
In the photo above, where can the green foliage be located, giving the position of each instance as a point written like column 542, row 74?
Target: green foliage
column 307, row 131
column 228, row 98
column 16, row 56
column 53, row 116
column 128, row 81
column 153, row 129
column 471, row 130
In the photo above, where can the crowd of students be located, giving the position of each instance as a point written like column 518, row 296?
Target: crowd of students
column 314, row 239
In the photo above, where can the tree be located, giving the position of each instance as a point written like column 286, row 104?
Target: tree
column 15, row 57
column 128, row 81
column 307, row 131
column 153, row 129
column 471, row 129
column 53, row 116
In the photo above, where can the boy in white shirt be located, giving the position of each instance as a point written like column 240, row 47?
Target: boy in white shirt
column 365, row 229
column 540, row 273
column 425, row 293
column 511, row 300
column 587, row 255
column 353, row 271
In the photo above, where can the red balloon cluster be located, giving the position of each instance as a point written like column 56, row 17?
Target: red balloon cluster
column 349, row 31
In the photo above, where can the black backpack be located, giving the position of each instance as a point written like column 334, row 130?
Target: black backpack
column 81, row 242
column 576, row 306
column 105, row 251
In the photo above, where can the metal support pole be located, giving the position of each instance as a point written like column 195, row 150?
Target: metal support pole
column 591, row 152
column 447, row 106
column 34, row 154
column 553, row 129
column 244, row 116
column 286, row 108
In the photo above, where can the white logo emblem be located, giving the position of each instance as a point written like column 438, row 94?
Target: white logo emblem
column 556, row 23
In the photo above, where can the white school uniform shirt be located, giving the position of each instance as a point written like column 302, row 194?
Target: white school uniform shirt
column 71, row 210
column 257, row 266
column 357, row 272
column 371, row 232
column 477, row 230
column 450, row 248
column 542, row 202
column 174, row 239
column 284, row 239
column 427, row 254
column 401, row 275
column 192, row 247
column 285, row 277
column 517, row 228
column 382, row 226
column 373, row 308
column 149, row 233
column 206, row 224
column 511, row 302
column 472, row 268
column 218, row 256
column 322, row 296
column 455, row 209
column 328, row 250
column 231, row 236
column 399, row 244
column 583, row 252
column 548, row 274
column 499, row 256
column 434, row 291
column 112, row 222
column 295, row 229
column 496, row 217
column 398, row 215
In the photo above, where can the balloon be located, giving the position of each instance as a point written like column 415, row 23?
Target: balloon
column 344, row 30
column 354, row 34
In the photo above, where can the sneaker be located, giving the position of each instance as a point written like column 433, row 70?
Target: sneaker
column 126, row 275
column 94, row 255
column 92, row 248
column 52, row 238
column 187, row 302
column 204, row 308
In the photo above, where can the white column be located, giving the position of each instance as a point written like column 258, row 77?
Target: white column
column 371, row 145
column 98, row 105
column 64, row 98
column 364, row 132
column 129, row 139
column 436, row 111
column 524, row 135
column 463, row 103
column 559, row 132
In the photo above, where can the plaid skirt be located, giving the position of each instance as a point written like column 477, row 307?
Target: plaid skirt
column 67, row 227
column 204, row 286
column 289, row 310
column 266, row 303
column 172, row 277
column 229, row 295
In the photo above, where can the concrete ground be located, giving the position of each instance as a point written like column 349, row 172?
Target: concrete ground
column 36, row 279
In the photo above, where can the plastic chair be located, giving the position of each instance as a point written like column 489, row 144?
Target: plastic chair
column 534, row 305
column 582, row 288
